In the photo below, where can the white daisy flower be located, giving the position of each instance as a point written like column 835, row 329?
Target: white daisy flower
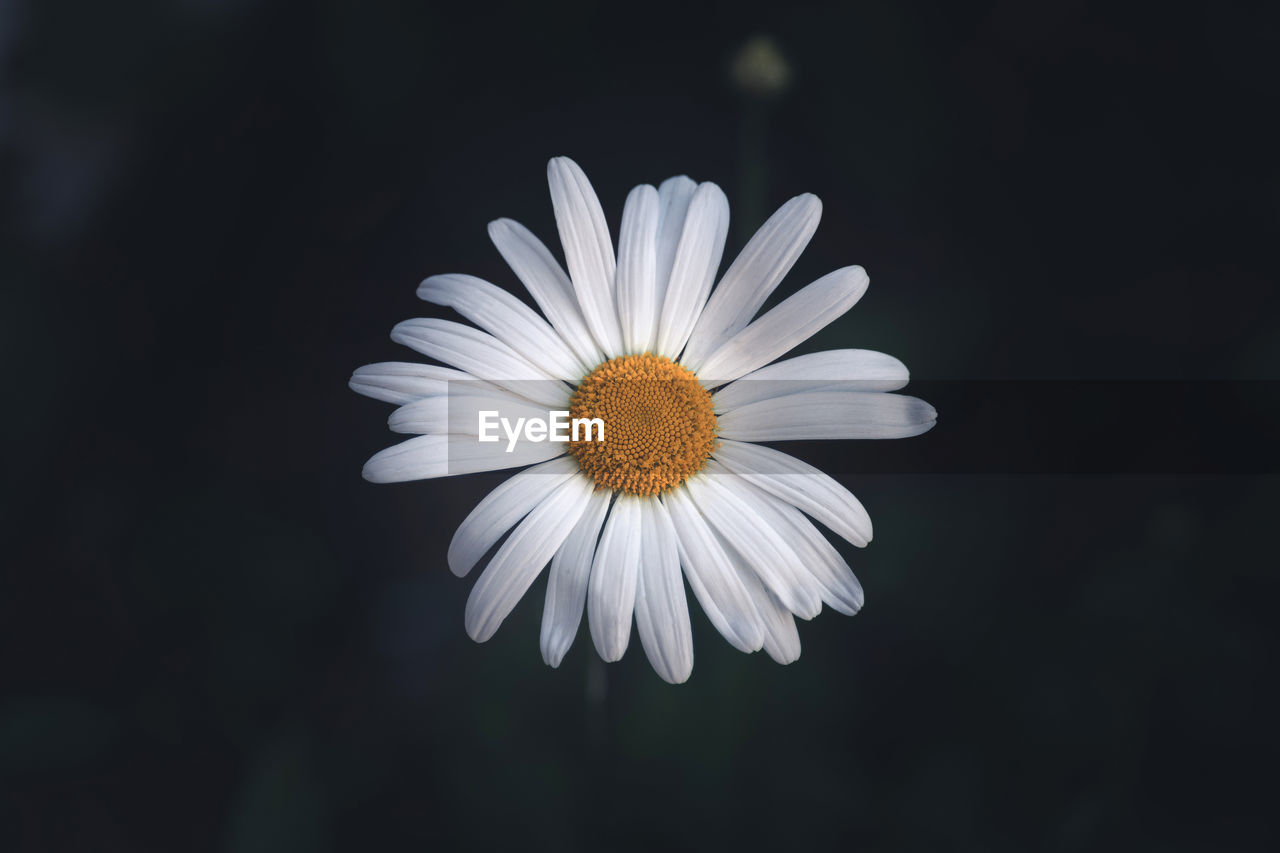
column 682, row 380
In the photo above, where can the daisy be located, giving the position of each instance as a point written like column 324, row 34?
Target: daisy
column 683, row 379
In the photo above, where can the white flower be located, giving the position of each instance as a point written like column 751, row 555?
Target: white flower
column 641, row 341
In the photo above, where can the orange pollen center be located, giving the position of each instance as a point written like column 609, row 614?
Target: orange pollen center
column 659, row 424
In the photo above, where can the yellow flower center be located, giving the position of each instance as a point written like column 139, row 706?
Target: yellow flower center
column 659, row 424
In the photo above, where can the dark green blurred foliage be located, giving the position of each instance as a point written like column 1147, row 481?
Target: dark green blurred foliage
column 40, row 733
column 218, row 637
column 247, row 590
column 280, row 806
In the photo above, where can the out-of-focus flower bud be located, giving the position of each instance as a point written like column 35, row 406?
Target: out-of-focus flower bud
column 759, row 69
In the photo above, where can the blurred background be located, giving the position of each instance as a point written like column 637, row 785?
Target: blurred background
column 217, row 636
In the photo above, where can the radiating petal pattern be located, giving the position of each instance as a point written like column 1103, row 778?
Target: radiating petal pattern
column 522, row 557
column 799, row 484
column 567, row 581
column 481, row 355
column 694, row 268
column 662, row 613
column 685, row 494
column 753, row 275
column 465, row 410
column 637, row 262
column 502, row 508
column 403, row 382
column 838, row 369
column 427, row 457
column 781, row 639
column 674, row 195
column 611, row 594
column 795, row 320
column 763, row 548
column 547, row 283
column 828, row 415
column 712, row 576
column 507, row 319
column 588, row 250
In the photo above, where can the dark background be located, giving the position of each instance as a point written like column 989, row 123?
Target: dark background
column 216, row 636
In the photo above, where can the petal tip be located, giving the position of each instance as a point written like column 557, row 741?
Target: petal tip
column 457, row 565
column 477, row 627
column 553, row 656
column 558, row 166
column 675, row 677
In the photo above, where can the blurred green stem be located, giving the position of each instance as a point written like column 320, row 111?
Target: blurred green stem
column 597, row 689
column 753, row 167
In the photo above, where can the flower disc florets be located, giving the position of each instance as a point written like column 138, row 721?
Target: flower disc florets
column 659, row 424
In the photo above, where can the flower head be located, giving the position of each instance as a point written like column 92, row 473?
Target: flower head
column 673, row 383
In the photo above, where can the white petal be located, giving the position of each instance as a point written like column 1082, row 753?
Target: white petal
column 712, row 576
column 662, row 613
column 588, row 250
column 829, row 414
column 403, row 382
column 522, row 557
column 753, row 275
column 694, row 270
column 820, row 562
column 799, row 484
column 426, row 457
column 546, row 281
column 459, row 413
column 482, row 355
column 567, row 582
column 502, row 508
column 794, row 569
column 781, row 639
column 792, row 322
column 507, row 319
column 719, row 497
column 637, row 244
column 844, row 369
column 674, row 195
column 611, row 594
